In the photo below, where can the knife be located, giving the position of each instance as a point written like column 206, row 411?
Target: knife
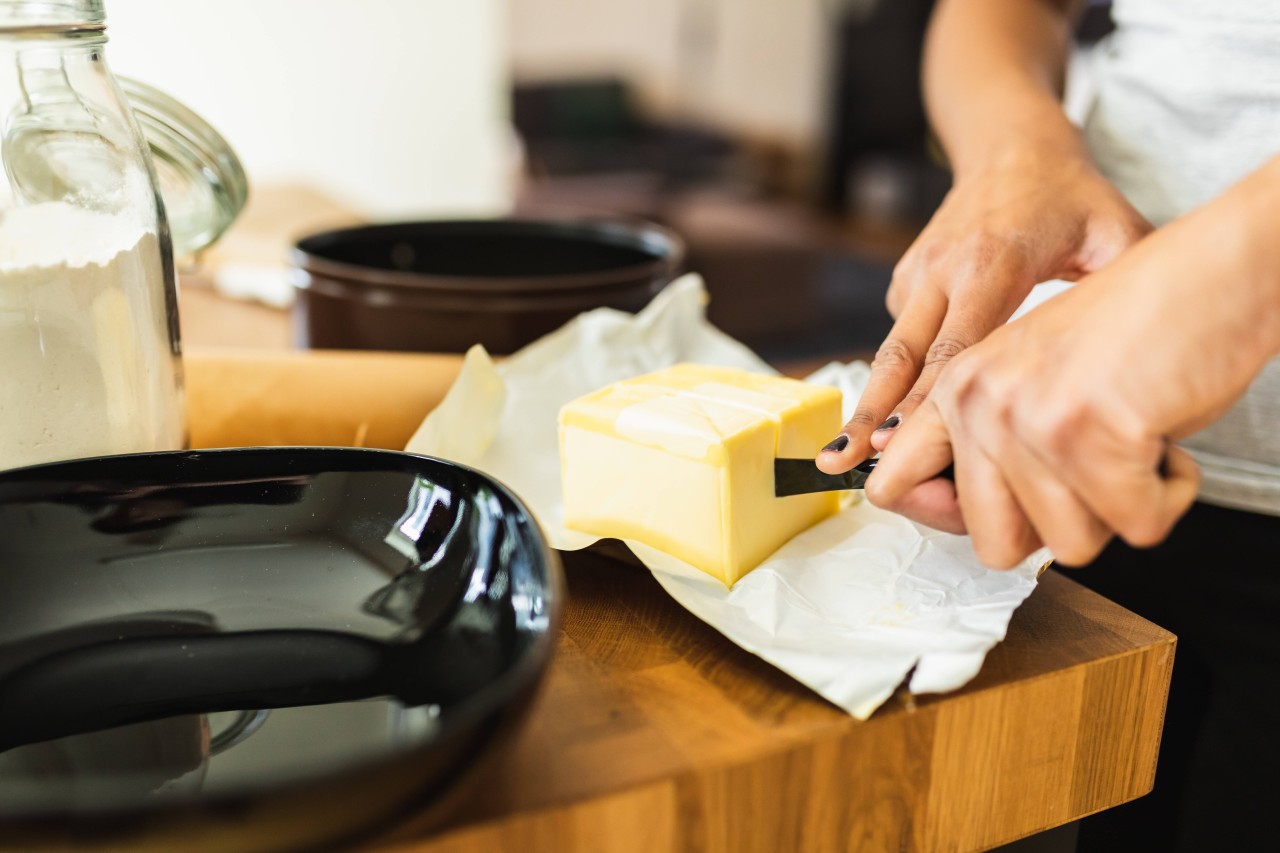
column 802, row 477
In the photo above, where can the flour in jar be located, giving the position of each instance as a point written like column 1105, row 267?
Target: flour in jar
column 86, row 365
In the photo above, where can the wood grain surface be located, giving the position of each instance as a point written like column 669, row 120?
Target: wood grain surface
column 652, row 732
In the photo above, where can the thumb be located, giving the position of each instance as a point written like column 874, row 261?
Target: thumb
column 920, row 451
column 905, row 480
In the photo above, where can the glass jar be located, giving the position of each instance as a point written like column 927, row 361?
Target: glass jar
column 89, row 340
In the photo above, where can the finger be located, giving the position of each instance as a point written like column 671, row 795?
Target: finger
column 967, row 321
column 1120, row 478
column 907, row 482
column 899, row 292
column 904, row 284
column 934, row 504
column 1002, row 534
column 904, row 482
column 907, row 276
column 1156, row 499
column 1180, row 483
column 894, row 370
column 1060, row 519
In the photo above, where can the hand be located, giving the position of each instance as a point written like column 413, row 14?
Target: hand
column 1058, row 424
column 1001, row 230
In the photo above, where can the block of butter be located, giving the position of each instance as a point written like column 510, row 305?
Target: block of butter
column 682, row 460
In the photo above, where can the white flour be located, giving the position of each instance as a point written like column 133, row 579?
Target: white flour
column 85, row 362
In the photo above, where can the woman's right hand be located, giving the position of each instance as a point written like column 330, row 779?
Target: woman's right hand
column 1061, row 427
column 1034, row 215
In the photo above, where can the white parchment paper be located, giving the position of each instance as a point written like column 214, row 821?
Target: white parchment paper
column 850, row 607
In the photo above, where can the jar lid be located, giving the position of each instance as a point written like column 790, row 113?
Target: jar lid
column 202, row 181
column 51, row 151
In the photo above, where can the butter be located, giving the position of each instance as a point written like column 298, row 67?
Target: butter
column 682, row 460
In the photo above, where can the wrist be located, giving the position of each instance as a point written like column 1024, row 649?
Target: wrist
column 1019, row 130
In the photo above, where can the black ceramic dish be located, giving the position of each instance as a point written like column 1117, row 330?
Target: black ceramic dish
column 256, row 649
column 442, row 286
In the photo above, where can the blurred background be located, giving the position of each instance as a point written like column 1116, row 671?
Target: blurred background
column 783, row 139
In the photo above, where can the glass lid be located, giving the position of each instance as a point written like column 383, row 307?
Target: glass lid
column 55, row 142
column 201, row 179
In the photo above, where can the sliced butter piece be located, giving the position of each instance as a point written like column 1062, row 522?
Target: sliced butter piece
column 682, row 460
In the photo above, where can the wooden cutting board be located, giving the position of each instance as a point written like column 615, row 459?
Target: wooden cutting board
column 653, row 732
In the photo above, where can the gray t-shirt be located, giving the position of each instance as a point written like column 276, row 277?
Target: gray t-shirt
column 1186, row 103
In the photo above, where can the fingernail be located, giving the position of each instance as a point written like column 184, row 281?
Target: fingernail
column 840, row 442
column 891, row 423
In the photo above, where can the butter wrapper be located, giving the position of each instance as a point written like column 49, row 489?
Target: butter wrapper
column 850, row 607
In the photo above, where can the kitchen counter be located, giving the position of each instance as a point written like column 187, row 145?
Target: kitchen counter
column 653, row 732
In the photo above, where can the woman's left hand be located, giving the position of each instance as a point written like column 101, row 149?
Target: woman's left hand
column 1060, row 425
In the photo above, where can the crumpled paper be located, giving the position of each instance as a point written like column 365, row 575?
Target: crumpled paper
column 850, row 607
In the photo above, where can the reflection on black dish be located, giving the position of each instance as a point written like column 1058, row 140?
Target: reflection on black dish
column 339, row 608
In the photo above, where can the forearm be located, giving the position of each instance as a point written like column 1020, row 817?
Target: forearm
column 993, row 77
column 1242, row 241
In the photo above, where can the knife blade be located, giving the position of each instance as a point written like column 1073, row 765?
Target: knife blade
column 802, row 477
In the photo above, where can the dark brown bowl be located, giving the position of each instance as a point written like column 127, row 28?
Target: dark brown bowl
column 444, row 286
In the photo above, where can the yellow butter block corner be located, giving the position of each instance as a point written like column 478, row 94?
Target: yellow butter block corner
column 682, row 460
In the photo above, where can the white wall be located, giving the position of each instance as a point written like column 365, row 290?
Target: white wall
column 396, row 107
column 754, row 66
column 771, row 72
column 638, row 38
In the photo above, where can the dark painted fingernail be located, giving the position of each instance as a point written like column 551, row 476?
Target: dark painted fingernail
column 840, row 442
column 892, row 423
